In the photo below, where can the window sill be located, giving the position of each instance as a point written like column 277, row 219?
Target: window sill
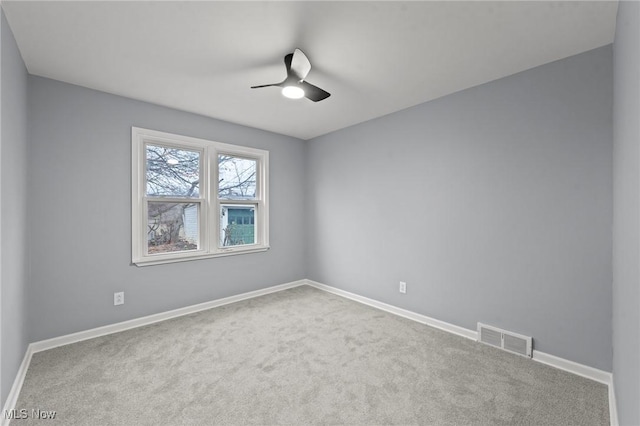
column 150, row 261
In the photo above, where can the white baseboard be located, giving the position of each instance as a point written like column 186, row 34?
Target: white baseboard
column 150, row 319
column 544, row 358
column 12, row 398
column 460, row 331
column 43, row 345
column 613, row 405
column 573, row 367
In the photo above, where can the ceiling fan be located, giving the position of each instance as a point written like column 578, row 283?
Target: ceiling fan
column 295, row 86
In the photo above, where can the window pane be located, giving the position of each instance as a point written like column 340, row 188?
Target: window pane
column 172, row 227
column 172, row 172
column 236, row 225
column 237, row 178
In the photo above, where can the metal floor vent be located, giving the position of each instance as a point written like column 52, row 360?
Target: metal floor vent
column 506, row 340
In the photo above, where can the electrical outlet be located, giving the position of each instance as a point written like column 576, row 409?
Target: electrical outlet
column 118, row 298
column 403, row 287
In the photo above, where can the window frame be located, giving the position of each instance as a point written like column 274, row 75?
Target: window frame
column 208, row 200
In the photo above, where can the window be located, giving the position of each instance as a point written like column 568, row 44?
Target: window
column 193, row 198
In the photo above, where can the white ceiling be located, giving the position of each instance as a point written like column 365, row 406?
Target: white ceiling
column 373, row 57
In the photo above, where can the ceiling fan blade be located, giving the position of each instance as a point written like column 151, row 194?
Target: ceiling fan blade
column 300, row 65
column 287, row 63
column 268, row 85
column 314, row 93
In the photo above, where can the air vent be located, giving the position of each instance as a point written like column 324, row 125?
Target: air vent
column 506, row 340
column 491, row 337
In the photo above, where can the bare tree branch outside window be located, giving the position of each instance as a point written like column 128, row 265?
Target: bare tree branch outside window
column 172, row 172
column 237, row 177
column 175, row 173
column 237, row 181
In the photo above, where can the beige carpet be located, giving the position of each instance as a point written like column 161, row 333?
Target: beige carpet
column 300, row 356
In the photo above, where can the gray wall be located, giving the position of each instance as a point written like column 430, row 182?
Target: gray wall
column 626, row 207
column 80, row 169
column 494, row 204
column 13, row 178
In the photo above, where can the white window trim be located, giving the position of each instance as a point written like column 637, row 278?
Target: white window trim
column 209, row 202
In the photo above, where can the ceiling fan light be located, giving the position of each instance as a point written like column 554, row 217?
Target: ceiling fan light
column 292, row 92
